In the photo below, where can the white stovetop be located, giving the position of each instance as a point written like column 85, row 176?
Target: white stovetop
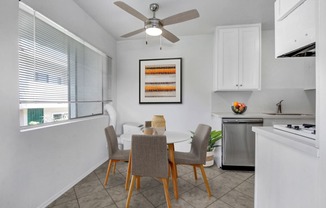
column 261, row 115
column 308, row 146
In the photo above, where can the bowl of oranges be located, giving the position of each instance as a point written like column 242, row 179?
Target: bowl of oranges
column 238, row 108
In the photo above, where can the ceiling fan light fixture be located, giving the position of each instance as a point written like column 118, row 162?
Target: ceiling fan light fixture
column 153, row 31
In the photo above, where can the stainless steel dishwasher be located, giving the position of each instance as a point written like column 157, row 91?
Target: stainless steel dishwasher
column 238, row 143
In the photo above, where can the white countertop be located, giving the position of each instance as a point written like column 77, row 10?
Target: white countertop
column 303, row 144
column 261, row 115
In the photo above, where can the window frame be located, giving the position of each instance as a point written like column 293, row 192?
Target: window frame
column 106, row 75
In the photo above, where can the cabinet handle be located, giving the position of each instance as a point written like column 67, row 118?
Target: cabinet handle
column 237, row 85
column 240, row 85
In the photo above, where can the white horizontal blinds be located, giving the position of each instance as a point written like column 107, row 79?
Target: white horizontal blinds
column 42, row 61
column 26, row 54
column 56, row 66
column 107, row 75
column 86, row 84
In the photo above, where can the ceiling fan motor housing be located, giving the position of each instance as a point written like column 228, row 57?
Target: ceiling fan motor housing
column 153, row 22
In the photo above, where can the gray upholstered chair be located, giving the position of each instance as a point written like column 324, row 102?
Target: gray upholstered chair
column 197, row 155
column 115, row 155
column 149, row 159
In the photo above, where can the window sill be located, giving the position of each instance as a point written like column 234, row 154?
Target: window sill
column 59, row 123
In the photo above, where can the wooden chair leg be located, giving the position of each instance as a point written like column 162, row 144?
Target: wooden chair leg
column 166, row 191
column 138, row 183
column 128, row 172
column 195, row 172
column 133, row 178
column 205, row 180
column 107, row 173
column 115, row 165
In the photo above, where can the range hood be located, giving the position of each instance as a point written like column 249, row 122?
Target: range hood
column 305, row 51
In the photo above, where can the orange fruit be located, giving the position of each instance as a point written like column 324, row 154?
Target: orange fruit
column 235, row 104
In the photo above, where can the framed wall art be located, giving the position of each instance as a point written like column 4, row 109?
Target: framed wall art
column 160, row 81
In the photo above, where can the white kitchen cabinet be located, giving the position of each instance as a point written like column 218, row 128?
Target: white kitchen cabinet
column 296, row 29
column 238, row 58
column 285, row 7
column 286, row 171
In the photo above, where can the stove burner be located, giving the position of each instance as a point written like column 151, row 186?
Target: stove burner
column 308, row 125
column 307, row 130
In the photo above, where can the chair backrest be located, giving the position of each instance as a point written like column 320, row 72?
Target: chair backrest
column 149, row 156
column 111, row 138
column 200, row 142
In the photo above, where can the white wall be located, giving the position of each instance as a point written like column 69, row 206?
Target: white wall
column 37, row 166
column 196, row 54
column 282, row 79
column 321, row 98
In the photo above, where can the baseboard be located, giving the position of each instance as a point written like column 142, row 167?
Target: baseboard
column 233, row 167
column 64, row 190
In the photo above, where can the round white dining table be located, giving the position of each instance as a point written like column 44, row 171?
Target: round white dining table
column 171, row 138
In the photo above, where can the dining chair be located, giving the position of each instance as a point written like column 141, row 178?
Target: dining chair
column 149, row 158
column 197, row 155
column 115, row 154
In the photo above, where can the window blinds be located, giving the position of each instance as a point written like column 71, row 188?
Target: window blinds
column 57, row 67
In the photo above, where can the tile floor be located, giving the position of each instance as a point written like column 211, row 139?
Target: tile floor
column 230, row 189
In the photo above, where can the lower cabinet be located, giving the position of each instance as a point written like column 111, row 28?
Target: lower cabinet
column 284, row 177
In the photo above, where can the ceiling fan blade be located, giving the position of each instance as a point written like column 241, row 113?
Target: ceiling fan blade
column 133, row 33
column 130, row 10
column 181, row 17
column 169, row 36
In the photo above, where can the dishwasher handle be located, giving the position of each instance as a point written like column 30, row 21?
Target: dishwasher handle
column 243, row 120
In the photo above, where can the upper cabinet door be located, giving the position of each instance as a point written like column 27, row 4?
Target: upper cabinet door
column 249, row 61
column 297, row 29
column 237, row 58
column 285, row 7
column 228, row 48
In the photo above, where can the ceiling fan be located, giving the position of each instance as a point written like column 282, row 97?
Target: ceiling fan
column 154, row 26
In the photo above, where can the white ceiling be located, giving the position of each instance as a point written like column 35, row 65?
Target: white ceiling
column 212, row 13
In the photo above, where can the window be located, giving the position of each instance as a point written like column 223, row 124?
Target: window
column 58, row 72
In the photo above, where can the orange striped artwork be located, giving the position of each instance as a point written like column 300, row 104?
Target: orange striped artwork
column 160, row 69
column 160, row 81
column 159, row 88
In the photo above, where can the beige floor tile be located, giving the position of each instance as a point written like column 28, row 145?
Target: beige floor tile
column 136, row 201
column 212, row 172
column 148, row 183
column 230, row 189
column 156, row 195
column 66, row 197
column 119, row 193
column 68, row 204
column 227, row 179
column 251, row 179
column 95, row 200
column 246, row 188
column 114, row 180
column 238, row 200
column 197, row 198
column 183, row 186
column 190, row 178
column 219, row 204
column 243, row 175
column 87, row 188
column 180, row 203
